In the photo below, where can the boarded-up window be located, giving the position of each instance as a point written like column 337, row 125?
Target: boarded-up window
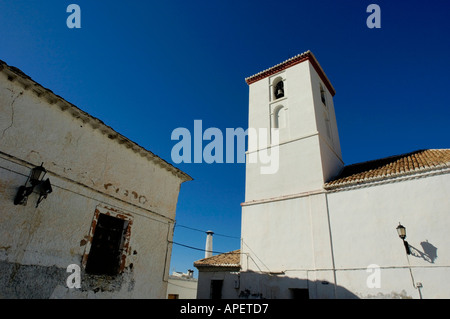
column 107, row 244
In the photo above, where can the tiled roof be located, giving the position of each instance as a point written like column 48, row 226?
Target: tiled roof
column 231, row 260
column 390, row 167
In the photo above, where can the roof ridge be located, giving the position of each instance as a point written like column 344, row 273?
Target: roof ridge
column 299, row 58
column 13, row 72
column 219, row 261
column 279, row 64
column 388, row 157
column 419, row 161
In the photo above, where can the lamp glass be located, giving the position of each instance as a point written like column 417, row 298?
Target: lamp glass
column 401, row 230
column 37, row 174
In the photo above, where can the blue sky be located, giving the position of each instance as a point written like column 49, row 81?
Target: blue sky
column 148, row 67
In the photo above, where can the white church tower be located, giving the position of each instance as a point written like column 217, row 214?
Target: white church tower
column 284, row 246
column 296, row 98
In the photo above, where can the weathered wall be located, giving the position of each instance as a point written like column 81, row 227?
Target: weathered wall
column 90, row 170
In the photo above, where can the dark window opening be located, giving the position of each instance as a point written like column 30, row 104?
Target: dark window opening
column 104, row 256
column 279, row 90
column 297, row 293
column 216, row 289
column 322, row 95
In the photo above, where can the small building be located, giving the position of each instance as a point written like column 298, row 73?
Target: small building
column 182, row 285
column 85, row 212
column 218, row 276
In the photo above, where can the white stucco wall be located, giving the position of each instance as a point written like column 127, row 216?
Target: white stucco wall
column 89, row 170
column 229, row 288
column 286, row 245
column 363, row 226
column 182, row 287
column 326, row 242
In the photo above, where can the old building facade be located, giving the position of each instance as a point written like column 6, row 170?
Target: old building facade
column 106, row 206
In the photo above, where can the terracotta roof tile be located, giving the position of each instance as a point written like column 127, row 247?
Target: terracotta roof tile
column 231, row 259
column 393, row 166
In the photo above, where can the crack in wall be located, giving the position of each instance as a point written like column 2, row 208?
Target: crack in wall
column 12, row 111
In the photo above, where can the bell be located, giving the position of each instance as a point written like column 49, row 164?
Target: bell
column 280, row 93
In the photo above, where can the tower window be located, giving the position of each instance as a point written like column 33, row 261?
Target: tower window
column 107, row 243
column 327, row 125
column 323, row 95
column 279, row 89
column 279, row 117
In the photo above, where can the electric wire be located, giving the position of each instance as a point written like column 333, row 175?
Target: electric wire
column 218, row 252
column 201, row 249
column 203, row 231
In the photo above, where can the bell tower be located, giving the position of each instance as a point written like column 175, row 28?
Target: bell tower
column 293, row 101
column 285, row 237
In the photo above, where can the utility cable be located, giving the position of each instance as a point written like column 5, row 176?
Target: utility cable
column 201, row 249
column 203, row 231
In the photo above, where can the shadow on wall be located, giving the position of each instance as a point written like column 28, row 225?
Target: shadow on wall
column 279, row 286
column 428, row 254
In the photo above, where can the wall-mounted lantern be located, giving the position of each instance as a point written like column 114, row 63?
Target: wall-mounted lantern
column 35, row 180
column 401, row 230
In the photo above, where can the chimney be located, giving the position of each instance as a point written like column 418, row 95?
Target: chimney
column 209, row 244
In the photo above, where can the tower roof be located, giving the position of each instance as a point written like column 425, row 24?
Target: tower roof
column 305, row 56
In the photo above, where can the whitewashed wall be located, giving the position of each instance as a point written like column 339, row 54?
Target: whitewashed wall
column 363, row 226
column 330, row 243
column 88, row 169
column 182, row 287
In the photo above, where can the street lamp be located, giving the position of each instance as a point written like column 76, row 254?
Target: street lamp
column 35, row 179
column 401, row 230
